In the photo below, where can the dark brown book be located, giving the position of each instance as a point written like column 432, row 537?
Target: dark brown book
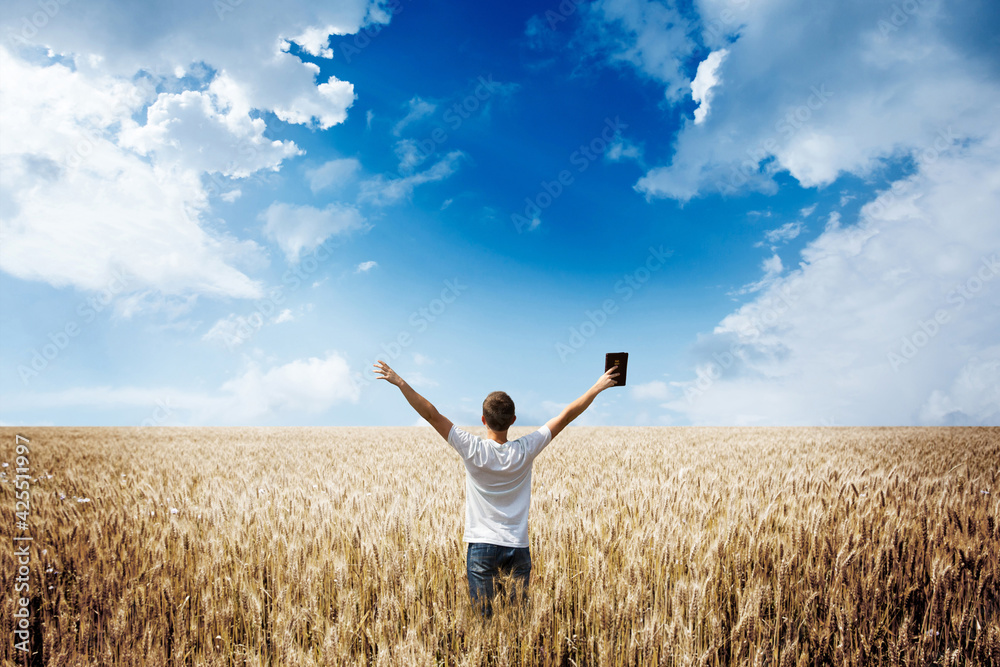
column 619, row 359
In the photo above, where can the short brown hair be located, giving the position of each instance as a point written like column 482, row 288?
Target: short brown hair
column 498, row 408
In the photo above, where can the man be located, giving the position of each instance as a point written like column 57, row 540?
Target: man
column 497, row 483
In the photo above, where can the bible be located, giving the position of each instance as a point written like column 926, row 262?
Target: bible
column 619, row 359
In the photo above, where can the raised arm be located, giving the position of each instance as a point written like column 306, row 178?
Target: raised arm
column 576, row 408
column 423, row 407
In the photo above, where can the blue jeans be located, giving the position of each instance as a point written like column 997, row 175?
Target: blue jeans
column 486, row 563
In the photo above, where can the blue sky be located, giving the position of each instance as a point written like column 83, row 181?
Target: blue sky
column 787, row 213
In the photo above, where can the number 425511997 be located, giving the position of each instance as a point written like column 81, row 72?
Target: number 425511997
column 22, row 482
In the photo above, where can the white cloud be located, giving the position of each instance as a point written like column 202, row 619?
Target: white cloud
column 233, row 330
column 553, row 408
column 409, row 154
column 316, row 41
column 783, row 234
column 309, row 386
column 705, row 80
column 206, row 132
column 650, row 36
column 623, row 149
column 128, row 305
column 333, row 175
column 421, row 359
column 298, row 229
column 364, row 267
column 972, row 399
column 88, row 190
column 772, row 268
column 248, row 44
column 818, row 96
column 808, row 210
column 653, row 390
column 382, row 191
column 891, row 320
column 418, row 108
column 284, row 316
column 821, row 102
column 78, row 209
column 419, row 380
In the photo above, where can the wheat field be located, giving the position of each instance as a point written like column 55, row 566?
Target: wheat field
column 650, row 546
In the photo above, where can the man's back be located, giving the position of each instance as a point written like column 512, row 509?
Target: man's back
column 498, row 485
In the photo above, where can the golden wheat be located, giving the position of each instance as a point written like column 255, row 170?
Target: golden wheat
column 650, row 546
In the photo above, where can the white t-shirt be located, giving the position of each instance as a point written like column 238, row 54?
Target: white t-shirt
column 498, row 485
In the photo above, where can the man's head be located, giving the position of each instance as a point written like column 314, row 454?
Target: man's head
column 498, row 411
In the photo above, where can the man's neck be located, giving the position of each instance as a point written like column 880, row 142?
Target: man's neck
column 500, row 438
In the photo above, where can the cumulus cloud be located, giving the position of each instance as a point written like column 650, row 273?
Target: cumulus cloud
column 106, row 139
column 299, row 229
column 821, row 102
column 78, row 210
column 310, row 385
column 850, row 335
column 206, row 132
column 650, row 36
column 249, row 45
column 704, row 81
column 890, row 320
column 364, row 267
